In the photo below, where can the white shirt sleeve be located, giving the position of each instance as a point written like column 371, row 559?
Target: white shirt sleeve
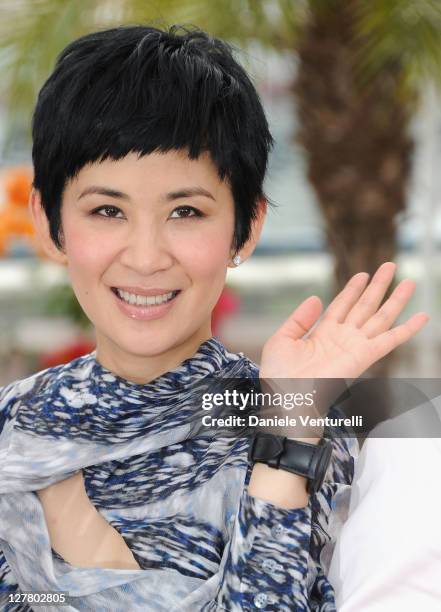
column 388, row 555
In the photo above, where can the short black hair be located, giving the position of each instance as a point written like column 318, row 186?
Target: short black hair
column 139, row 89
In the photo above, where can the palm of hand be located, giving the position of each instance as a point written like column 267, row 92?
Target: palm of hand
column 353, row 334
column 331, row 350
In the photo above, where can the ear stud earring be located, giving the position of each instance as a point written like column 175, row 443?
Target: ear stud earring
column 236, row 260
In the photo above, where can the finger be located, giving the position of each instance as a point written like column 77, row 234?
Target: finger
column 345, row 300
column 391, row 309
column 371, row 297
column 302, row 319
column 389, row 340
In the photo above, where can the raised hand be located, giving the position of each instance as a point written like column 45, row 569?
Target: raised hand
column 354, row 332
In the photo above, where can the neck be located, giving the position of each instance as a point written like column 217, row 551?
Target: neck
column 142, row 369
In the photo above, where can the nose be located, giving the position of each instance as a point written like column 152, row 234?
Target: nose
column 146, row 250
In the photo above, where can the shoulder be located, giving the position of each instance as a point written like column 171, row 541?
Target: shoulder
column 227, row 363
column 244, row 365
column 20, row 392
column 12, row 394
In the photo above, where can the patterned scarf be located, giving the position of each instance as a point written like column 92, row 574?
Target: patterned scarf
column 81, row 416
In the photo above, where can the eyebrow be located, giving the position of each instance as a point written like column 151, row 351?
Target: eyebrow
column 185, row 192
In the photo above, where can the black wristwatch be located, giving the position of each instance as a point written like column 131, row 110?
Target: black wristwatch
column 302, row 458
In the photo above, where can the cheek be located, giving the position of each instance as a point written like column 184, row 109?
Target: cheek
column 82, row 251
column 206, row 257
column 85, row 259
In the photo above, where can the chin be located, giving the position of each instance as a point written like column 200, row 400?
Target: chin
column 146, row 349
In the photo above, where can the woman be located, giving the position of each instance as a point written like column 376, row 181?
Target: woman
column 150, row 150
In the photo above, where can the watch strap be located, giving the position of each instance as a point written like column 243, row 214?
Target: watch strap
column 308, row 460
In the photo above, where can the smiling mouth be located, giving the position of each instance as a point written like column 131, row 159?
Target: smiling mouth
column 144, row 301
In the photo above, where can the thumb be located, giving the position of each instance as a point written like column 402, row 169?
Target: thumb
column 302, row 319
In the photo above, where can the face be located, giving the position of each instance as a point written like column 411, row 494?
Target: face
column 161, row 223
column 157, row 224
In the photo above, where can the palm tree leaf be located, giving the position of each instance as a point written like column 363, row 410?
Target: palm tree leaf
column 402, row 33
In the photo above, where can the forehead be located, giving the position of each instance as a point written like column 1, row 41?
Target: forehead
column 157, row 171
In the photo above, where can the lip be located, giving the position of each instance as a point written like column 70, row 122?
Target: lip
column 145, row 313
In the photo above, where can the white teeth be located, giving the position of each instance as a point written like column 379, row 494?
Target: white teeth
column 141, row 300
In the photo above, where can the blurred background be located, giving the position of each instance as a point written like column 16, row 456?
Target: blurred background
column 351, row 90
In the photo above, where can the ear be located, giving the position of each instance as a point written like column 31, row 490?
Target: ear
column 41, row 225
column 256, row 230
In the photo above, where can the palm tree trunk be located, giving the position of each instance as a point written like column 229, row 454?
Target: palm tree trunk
column 355, row 134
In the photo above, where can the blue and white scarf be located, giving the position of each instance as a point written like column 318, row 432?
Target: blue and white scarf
column 175, row 494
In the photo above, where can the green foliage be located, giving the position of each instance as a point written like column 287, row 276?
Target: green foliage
column 405, row 33
column 61, row 301
column 32, row 34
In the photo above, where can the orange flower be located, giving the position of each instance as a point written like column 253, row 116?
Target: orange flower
column 15, row 220
column 18, row 185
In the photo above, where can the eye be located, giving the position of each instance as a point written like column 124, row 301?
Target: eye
column 110, row 212
column 189, row 211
